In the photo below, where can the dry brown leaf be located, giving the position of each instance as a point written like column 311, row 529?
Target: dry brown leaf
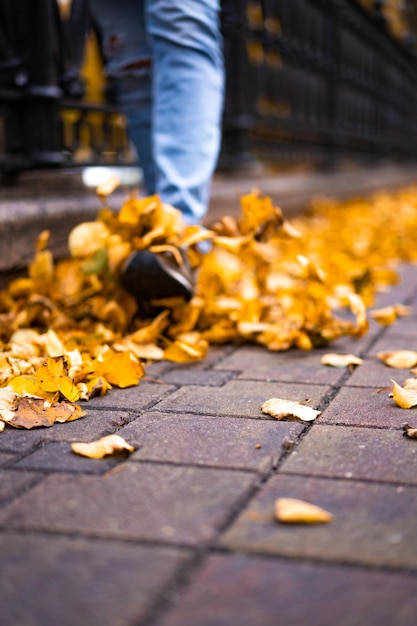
column 112, row 444
column 401, row 359
column 409, row 431
column 33, row 412
column 293, row 511
column 404, row 398
column 279, row 409
column 410, row 383
column 340, row 360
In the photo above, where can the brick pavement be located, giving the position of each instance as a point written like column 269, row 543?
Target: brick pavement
column 181, row 533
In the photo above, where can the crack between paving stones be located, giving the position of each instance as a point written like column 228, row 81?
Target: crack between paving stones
column 224, row 550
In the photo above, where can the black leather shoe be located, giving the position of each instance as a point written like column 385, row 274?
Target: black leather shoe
column 150, row 276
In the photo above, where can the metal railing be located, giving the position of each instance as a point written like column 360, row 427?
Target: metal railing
column 306, row 80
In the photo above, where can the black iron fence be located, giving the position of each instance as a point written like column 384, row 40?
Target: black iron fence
column 306, row 80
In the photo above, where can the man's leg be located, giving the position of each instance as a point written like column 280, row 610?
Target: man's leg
column 127, row 56
column 188, row 92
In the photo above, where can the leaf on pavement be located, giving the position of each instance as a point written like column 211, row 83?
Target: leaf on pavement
column 8, row 403
column 287, row 408
column 340, row 360
column 401, row 359
column 293, row 511
column 409, row 431
column 119, row 368
column 112, row 444
column 404, row 398
column 53, row 376
column 389, row 314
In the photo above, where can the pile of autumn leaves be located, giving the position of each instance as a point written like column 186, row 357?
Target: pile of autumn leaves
column 69, row 332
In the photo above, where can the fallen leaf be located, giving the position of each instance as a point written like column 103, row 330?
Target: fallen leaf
column 410, row 383
column 340, row 360
column 53, row 376
column 287, row 408
column 8, row 403
column 404, row 398
column 401, row 359
column 293, row 511
column 119, row 368
column 109, row 185
column 409, row 431
column 32, row 412
column 112, row 444
column 388, row 315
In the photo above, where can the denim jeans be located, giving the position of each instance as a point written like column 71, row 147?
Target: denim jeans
column 165, row 60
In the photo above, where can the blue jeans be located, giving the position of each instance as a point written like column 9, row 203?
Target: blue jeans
column 165, row 60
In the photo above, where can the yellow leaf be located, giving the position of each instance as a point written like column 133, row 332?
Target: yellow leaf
column 53, row 376
column 112, row 444
column 182, row 352
column 340, row 360
column 27, row 385
column 410, row 383
column 385, row 316
column 87, row 238
column 109, row 185
column 287, row 408
column 401, row 359
column 293, row 511
column 404, row 398
column 119, row 368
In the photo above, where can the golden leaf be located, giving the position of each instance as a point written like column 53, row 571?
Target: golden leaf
column 112, row 444
column 401, row 359
column 119, row 368
column 182, row 352
column 109, row 185
column 287, row 408
column 87, row 238
column 385, row 316
column 404, row 398
column 53, row 376
column 340, row 360
column 293, row 511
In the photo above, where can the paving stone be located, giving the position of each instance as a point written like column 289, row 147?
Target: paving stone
column 6, row 458
column 134, row 501
column 358, row 453
column 13, row 482
column 404, row 326
column 94, row 425
column 247, row 591
column 58, row 457
column 211, row 441
column 239, row 398
column 20, row 440
column 403, row 290
column 194, row 376
column 374, row 373
column 391, row 341
column 255, row 363
column 364, row 406
column 51, row 580
column 137, row 398
column 373, row 524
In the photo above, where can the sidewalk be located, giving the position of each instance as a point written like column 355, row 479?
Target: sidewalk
column 181, row 533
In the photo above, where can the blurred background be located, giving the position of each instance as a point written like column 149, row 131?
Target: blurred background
column 309, row 82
